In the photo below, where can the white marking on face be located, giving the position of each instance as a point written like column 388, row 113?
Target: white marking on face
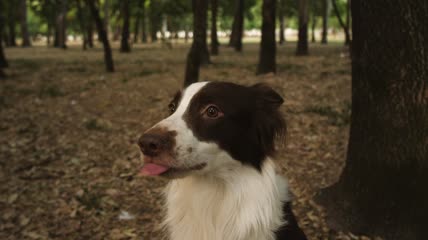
column 189, row 151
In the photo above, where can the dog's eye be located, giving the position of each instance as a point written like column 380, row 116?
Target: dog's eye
column 212, row 112
column 172, row 108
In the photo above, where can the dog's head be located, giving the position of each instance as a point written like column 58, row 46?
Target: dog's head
column 213, row 126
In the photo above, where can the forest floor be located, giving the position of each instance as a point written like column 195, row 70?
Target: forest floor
column 68, row 158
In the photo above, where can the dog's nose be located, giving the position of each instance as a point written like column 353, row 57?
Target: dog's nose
column 150, row 144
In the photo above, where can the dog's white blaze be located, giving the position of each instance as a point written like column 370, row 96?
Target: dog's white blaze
column 185, row 139
column 237, row 203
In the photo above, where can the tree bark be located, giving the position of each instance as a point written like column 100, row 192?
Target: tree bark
column 198, row 53
column 155, row 20
column 24, row 25
column 106, row 16
column 82, row 24
column 137, row 20
column 325, row 13
column 124, row 43
column 3, row 61
column 143, row 23
column 108, row 59
column 238, row 26
column 302, row 42
column 49, row 34
column 382, row 190
column 281, row 21
column 342, row 24
column 214, row 39
column 90, row 31
column 11, row 21
column 62, row 25
column 267, row 57
column 314, row 24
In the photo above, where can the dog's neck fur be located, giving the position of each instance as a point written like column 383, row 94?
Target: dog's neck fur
column 239, row 203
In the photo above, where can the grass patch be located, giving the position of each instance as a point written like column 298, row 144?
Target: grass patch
column 76, row 69
column 341, row 117
column 290, row 68
column 147, row 72
column 50, row 91
column 30, row 65
column 97, row 125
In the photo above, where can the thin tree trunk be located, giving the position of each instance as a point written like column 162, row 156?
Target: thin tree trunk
column 3, row 61
column 82, row 24
column 106, row 16
column 302, row 42
column 186, row 34
column 49, row 34
column 238, row 26
column 143, row 23
column 342, row 24
column 11, row 20
column 90, row 31
column 108, row 58
column 348, row 21
column 198, row 53
column 325, row 14
column 267, row 58
column 124, row 43
column 56, row 34
column 313, row 21
column 137, row 20
column 281, row 22
column 62, row 27
column 24, row 25
column 382, row 190
column 214, row 38
column 155, row 20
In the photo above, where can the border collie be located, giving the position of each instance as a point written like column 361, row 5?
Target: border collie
column 216, row 147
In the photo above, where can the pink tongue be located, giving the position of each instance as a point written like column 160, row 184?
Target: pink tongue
column 150, row 169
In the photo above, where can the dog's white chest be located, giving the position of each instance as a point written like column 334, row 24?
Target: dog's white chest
column 246, row 207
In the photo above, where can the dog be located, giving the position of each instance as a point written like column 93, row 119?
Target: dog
column 216, row 147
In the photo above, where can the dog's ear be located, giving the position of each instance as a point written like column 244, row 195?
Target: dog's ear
column 267, row 96
column 269, row 121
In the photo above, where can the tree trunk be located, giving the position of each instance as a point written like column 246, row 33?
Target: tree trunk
column 238, row 26
column 342, row 24
column 325, row 14
column 49, row 34
column 267, row 57
column 137, row 20
column 62, row 27
column 143, row 23
column 281, row 22
column 106, row 16
column 186, row 34
column 108, row 59
column 11, row 21
column 198, row 53
column 348, row 20
column 314, row 24
column 90, row 32
column 124, row 43
column 382, row 190
column 82, row 24
column 155, row 20
column 214, row 38
column 302, row 42
column 3, row 61
column 24, row 25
